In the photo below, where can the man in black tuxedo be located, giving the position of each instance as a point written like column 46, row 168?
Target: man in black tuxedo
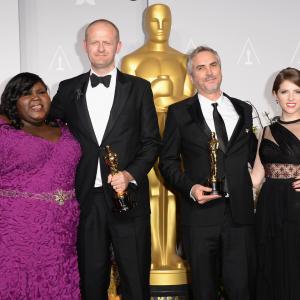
column 217, row 231
column 115, row 110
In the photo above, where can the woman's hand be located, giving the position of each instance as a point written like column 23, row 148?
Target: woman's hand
column 296, row 184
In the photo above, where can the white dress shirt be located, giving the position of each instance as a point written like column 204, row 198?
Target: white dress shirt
column 226, row 110
column 99, row 101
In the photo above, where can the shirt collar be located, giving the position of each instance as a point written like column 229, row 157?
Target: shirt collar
column 113, row 72
column 204, row 101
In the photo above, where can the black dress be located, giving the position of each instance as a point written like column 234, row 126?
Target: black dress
column 278, row 218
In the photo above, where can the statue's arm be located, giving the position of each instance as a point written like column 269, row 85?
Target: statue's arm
column 188, row 89
column 128, row 66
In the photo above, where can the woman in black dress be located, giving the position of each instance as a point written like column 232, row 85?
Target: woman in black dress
column 278, row 207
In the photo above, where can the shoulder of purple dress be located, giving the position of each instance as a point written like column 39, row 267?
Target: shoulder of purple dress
column 64, row 128
column 2, row 121
column 4, row 124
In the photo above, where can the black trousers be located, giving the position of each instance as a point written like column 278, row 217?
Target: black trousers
column 226, row 252
column 130, row 237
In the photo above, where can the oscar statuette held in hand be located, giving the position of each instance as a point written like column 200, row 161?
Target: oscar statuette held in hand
column 122, row 201
column 213, row 181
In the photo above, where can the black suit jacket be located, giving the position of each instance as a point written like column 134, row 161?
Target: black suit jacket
column 185, row 161
column 132, row 132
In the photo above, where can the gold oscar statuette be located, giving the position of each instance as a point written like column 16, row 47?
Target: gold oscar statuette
column 122, row 201
column 165, row 68
column 213, row 181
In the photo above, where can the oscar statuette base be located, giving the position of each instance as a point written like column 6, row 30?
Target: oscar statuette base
column 167, row 281
column 168, row 277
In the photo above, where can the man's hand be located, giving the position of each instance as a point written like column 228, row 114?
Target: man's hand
column 120, row 181
column 198, row 192
column 296, row 184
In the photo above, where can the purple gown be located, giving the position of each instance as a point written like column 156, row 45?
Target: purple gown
column 38, row 216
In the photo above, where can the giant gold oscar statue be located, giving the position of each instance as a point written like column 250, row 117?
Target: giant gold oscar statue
column 165, row 68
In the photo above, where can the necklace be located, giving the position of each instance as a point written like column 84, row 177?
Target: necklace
column 288, row 122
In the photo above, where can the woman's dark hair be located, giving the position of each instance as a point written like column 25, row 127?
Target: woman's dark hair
column 290, row 74
column 18, row 86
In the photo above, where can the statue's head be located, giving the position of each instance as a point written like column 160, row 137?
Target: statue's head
column 158, row 22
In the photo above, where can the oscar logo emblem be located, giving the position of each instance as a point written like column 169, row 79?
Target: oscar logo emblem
column 122, row 200
column 214, row 182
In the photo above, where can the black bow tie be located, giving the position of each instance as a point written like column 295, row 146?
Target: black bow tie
column 95, row 80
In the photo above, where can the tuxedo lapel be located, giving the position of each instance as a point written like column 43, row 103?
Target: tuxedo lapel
column 196, row 113
column 240, row 123
column 81, row 106
column 121, row 94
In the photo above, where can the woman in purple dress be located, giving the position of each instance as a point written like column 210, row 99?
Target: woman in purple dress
column 38, row 209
